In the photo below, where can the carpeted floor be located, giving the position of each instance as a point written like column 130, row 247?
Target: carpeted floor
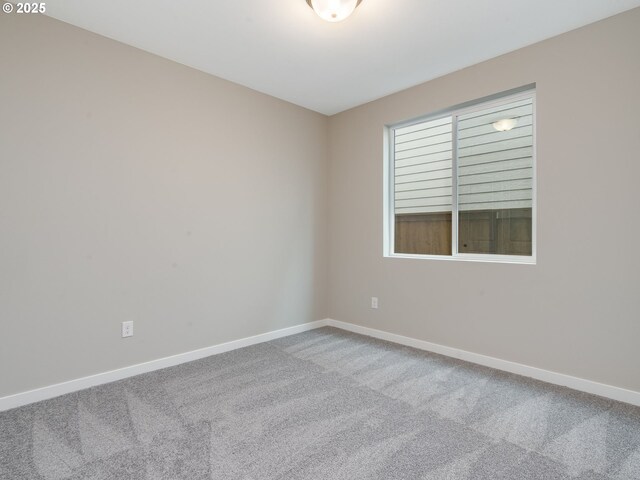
column 325, row 404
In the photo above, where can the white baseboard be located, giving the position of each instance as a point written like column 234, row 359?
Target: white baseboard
column 44, row 393
column 588, row 386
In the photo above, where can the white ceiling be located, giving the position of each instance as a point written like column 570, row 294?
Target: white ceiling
column 280, row 47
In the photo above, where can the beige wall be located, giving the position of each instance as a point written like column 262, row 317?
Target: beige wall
column 578, row 310
column 133, row 188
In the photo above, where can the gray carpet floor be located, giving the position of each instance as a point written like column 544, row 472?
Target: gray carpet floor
column 325, row 404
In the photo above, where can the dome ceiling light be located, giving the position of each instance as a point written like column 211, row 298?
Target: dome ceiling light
column 505, row 124
column 333, row 10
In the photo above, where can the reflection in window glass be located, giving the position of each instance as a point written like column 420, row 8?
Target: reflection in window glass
column 495, row 180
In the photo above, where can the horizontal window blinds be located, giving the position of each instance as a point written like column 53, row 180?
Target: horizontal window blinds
column 495, row 168
column 423, row 155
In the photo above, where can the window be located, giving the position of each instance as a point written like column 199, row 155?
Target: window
column 461, row 184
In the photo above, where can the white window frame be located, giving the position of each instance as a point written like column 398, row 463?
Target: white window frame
column 527, row 92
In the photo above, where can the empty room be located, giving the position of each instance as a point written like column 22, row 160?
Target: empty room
column 320, row 239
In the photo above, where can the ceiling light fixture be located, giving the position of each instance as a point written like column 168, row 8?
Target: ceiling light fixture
column 505, row 124
column 333, row 10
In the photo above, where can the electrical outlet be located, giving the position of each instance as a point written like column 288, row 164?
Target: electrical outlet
column 374, row 302
column 127, row 329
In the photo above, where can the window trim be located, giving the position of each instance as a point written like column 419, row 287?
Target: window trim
column 527, row 92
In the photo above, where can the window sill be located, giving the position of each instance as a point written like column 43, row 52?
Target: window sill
column 466, row 257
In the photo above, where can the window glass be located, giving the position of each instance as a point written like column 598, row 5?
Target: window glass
column 423, row 191
column 462, row 183
column 495, row 180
